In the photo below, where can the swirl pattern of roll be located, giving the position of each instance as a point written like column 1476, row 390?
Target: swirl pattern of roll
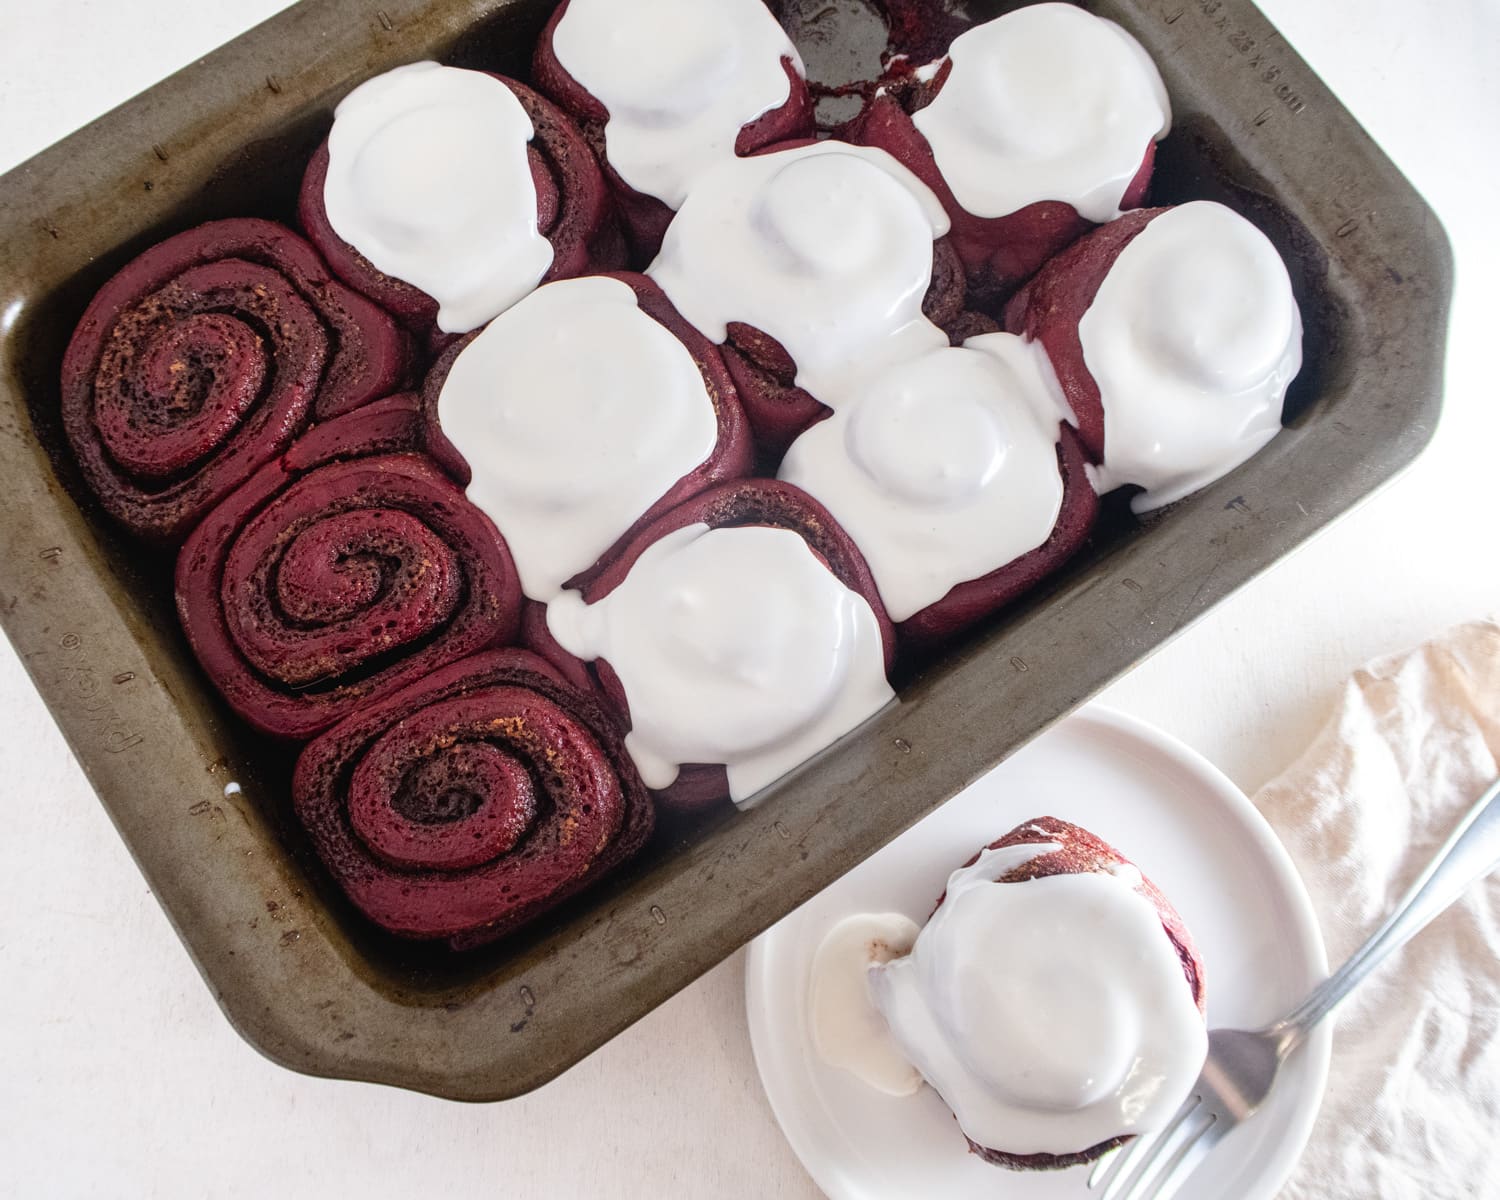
column 1174, row 335
column 441, row 223
column 759, row 504
column 340, row 573
column 472, row 800
column 732, row 63
column 204, row 357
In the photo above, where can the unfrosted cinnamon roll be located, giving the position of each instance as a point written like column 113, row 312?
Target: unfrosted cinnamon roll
column 203, row 358
column 473, row 800
column 740, row 633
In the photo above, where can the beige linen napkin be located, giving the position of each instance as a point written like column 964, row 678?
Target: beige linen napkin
column 1413, row 1103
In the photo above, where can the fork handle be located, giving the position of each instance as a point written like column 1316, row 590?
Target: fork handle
column 1471, row 853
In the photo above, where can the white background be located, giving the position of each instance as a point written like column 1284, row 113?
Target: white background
column 119, row 1077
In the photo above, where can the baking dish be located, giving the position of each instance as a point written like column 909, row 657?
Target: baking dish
column 203, row 804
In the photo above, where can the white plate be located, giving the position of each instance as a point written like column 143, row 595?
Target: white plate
column 1189, row 829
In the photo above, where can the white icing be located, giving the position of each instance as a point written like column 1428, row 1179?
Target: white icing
column 827, row 248
column 1193, row 338
column 428, row 178
column 944, row 470
column 847, row 1029
column 734, row 646
column 576, row 412
column 680, row 79
column 1045, row 103
column 1050, row 1015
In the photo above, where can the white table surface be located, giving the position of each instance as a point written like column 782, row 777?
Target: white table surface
column 118, row 1075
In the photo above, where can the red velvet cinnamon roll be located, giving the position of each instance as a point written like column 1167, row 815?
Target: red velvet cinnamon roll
column 811, row 263
column 1174, row 334
column 203, row 358
column 954, row 474
column 1086, row 944
column 580, row 415
column 340, row 573
column 473, row 800
column 741, row 633
column 446, row 195
column 1053, row 999
column 1035, row 126
column 665, row 89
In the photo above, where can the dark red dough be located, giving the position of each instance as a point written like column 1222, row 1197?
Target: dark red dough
column 204, row 357
column 1081, row 852
column 645, row 217
column 998, row 253
column 340, row 573
column 733, row 453
column 1049, row 308
column 922, row 30
column 764, row 502
column 574, row 212
column 978, row 598
column 473, row 800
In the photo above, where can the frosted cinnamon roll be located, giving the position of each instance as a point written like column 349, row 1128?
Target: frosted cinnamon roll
column 1174, row 334
column 1034, row 127
column 446, row 195
column 666, row 89
column 579, row 416
column 957, row 479
column 814, row 265
column 740, row 634
column 1054, row 1000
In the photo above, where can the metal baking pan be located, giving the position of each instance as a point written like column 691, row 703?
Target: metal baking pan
column 203, row 805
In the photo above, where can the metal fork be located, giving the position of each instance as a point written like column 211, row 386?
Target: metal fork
column 1242, row 1064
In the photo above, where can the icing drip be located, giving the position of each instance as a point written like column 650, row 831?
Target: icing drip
column 847, row 1029
column 429, row 179
column 576, row 412
column 714, row 68
column 1046, row 103
column 1193, row 339
column 734, row 646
